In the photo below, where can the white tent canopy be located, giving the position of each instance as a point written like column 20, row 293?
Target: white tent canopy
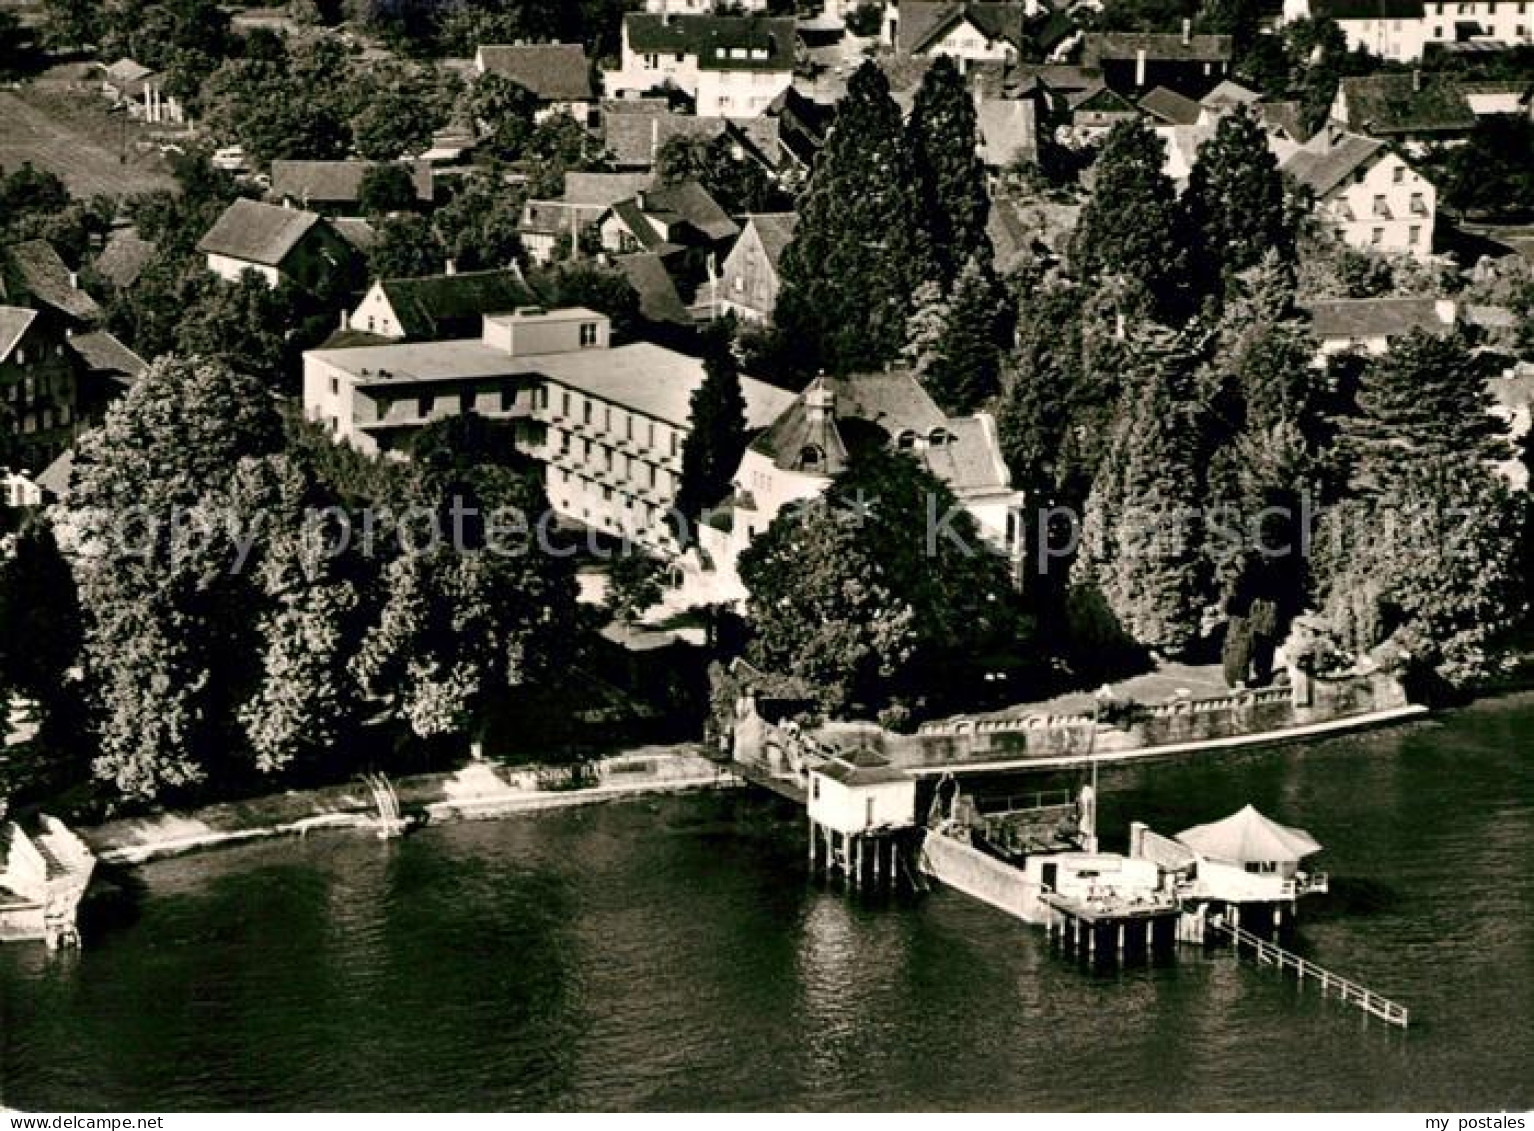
column 1248, row 837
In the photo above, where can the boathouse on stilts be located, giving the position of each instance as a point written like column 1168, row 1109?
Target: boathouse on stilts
column 860, row 811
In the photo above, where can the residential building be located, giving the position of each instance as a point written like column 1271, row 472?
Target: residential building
column 1369, row 325
column 796, row 457
column 1138, row 61
column 105, row 368
column 437, row 307
column 1412, row 110
column 557, row 74
column 545, row 225
column 1168, row 108
column 968, row 33
column 334, row 188
column 730, row 66
column 1366, row 192
column 659, row 299
column 1404, row 30
column 666, row 220
column 278, row 244
column 38, row 385
column 608, row 422
column 33, row 274
column 748, row 279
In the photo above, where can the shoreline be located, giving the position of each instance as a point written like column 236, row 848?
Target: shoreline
column 477, row 792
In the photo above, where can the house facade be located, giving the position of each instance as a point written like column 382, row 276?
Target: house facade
column 968, row 33
column 607, row 422
column 1370, row 325
column 1367, row 193
column 1404, row 30
column 435, row 307
column 731, row 66
column 38, row 384
column 748, row 278
column 279, row 244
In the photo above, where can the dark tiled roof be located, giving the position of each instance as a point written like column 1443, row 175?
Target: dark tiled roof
column 707, row 36
column 124, row 258
column 555, row 72
column 313, row 183
column 101, row 351
column 633, row 139
column 1286, row 116
column 691, row 203
column 1159, row 47
column 1229, row 93
column 1171, row 107
column 602, row 190
column 922, row 24
column 1329, row 158
column 1390, row 104
column 445, row 306
column 1374, row 317
column 659, row 300
column 356, row 231
column 257, row 233
column 56, row 477
column 1367, row 9
column 34, row 271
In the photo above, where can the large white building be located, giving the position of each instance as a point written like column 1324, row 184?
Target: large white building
column 731, row 66
column 1366, row 192
column 608, row 422
column 1402, row 30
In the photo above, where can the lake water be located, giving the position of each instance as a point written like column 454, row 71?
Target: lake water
column 674, row 955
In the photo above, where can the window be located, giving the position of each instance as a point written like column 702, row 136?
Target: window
column 508, row 399
column 607, row 419
column 423, row 406
column 564, row 404
column 868, row 812
column 906, row 440
column 815, row 787
column 465, row 403
column 1438, row 33
column 1418, row 204
column 543, row 396
column 335, row 386
column 372, row 322
column 588, row 334
column 675, row 444
column 811, row 456
column 1377, row 236
column 1398, row 174
column 628, row 427
column 21, row 357
column 1380, row 207
column 939, row 437
column 586, row 411
column 1414, row 235
column 653, row 61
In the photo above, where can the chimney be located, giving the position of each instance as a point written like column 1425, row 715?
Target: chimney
column 1187, row 31
column 74, row 281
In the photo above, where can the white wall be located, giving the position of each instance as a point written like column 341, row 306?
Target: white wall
column 374, row 315
column 231, row 269
column 1350, row 209
column 739, row 94
column 847, row 809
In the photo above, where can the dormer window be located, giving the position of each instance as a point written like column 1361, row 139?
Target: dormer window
column 939, row 437
column 811, row 457
column 588, row 334
column 906, row 440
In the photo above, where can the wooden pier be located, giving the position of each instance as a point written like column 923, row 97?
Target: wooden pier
column 1271, row 954
column 1111, row 929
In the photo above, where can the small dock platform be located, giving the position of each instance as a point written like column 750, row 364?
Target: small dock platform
column 1112, row 926
column 1269, row 953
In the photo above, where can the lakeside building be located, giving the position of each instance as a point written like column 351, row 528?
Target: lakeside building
column 608, row 422
column 810, row 442
column 730, row 66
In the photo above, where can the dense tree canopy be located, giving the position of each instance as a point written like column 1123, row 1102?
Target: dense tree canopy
column 950, row 177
